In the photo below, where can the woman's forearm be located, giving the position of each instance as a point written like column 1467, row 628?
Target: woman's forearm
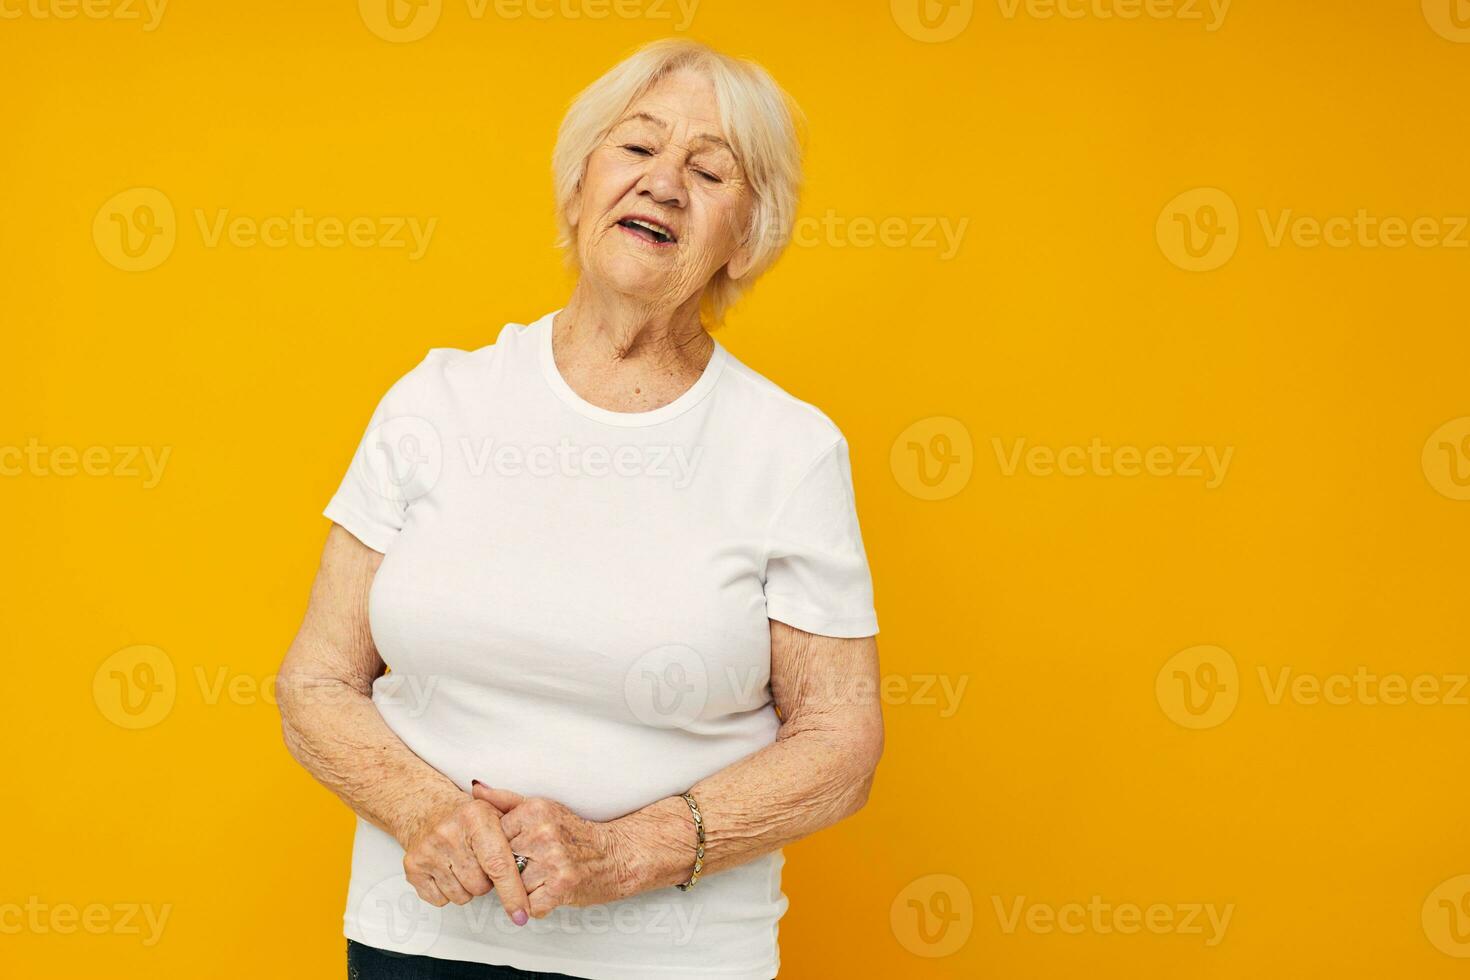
column 817, row 772
column 807, row 780
column 333, row 729
column 324, row 694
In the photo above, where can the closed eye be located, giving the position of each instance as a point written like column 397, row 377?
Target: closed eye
column 709, row 176
column 642, row 151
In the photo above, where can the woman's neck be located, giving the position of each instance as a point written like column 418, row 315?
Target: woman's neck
column 601, row 325
column 628, row 355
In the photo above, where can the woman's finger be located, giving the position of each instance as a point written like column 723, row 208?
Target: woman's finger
column 516, row 837
column 503, row 800
column 471, row 876
column 493, row 853
column 534, row 876
column 543, row 902
column 449, row 884
column 512, row 825
column 427, row 890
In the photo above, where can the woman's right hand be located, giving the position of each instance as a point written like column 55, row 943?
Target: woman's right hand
column 459, row 853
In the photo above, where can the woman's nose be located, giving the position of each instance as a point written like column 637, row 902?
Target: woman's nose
column 664, row 181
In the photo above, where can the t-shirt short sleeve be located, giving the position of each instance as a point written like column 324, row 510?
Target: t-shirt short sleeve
column 817, row 576
column 396, row 462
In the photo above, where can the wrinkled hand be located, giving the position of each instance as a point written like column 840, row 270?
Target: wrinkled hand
column 461, row 853
column 572, row 861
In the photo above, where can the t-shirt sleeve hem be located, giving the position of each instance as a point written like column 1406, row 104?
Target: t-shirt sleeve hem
column 821, row 624
column 374, row 535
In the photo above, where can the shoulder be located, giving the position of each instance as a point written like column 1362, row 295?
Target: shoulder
column 445, row 372
column 787, row 421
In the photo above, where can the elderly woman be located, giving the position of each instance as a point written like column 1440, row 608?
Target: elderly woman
column 617, row 580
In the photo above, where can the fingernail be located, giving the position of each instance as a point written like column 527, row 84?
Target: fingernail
column 520, row 917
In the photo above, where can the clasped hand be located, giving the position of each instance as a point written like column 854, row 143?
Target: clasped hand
column 470, row 849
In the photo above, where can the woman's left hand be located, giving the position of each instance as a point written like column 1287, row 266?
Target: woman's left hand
column 570, row 861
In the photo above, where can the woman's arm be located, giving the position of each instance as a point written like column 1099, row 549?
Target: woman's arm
column 818, row 771
column 332, row 727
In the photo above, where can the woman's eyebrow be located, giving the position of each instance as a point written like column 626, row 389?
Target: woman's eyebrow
column 663, row 126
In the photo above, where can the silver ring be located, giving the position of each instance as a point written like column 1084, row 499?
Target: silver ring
column 520, row 862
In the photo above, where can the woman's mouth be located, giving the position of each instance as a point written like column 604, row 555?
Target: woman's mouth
column 649, row 231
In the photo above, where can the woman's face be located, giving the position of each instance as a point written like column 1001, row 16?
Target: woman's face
column 665, row 163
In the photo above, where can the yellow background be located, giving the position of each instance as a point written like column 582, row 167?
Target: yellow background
column 1061, row 773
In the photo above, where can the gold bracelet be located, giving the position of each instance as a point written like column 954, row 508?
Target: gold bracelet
column 699, row 846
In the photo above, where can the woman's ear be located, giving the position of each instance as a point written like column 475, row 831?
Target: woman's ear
column 740, row 263
column 573, row 208
column 743, row 258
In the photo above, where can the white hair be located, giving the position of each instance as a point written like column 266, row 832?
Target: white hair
column 761, row 122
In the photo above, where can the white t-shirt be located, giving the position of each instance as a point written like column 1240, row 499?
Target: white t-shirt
column 574, row 604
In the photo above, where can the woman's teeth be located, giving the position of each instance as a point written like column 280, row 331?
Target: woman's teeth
column 646, row 230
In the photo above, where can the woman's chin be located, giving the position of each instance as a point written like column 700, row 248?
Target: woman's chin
column 639, row 281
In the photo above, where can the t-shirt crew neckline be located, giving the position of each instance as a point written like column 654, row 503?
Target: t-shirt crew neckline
column 663, row 413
